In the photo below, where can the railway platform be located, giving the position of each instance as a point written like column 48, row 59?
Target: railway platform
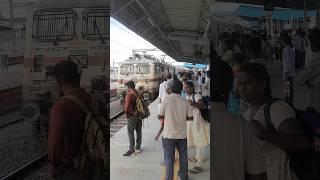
column 146, row 165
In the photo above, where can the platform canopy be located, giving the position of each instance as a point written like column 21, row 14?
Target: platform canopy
column 180, row 28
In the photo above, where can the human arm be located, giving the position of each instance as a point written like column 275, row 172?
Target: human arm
column 189, row 112
column 160, row 130
column 287, row 135
column 128, row 103
column 56, row 137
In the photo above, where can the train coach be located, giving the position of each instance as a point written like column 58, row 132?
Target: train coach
column 75, row 31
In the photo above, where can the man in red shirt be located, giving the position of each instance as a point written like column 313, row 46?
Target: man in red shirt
column 134, row 123
column 66, row 124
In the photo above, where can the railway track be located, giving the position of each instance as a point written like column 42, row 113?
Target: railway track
column 10, row 116
column 28, row 168
column 118, row 120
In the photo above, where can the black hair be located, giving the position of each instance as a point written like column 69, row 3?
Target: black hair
column 190, row 84
column 314, row 37
column 176, row 86
column 260, row 73
column 67, row 72
column 169, row 76
column 222, row 78
column 130, row 84
column 254, row 46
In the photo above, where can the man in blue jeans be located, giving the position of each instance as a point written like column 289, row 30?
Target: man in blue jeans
column 176, row 111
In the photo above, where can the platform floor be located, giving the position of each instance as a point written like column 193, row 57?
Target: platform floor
column 145, row 165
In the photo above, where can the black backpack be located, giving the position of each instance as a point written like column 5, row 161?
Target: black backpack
column 305, row 163
column 205, row 113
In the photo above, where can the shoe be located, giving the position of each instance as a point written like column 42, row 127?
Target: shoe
column 195, row 170
column 138, row 150
column 128, row 153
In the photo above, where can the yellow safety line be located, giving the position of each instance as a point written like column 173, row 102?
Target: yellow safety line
column 176, row 168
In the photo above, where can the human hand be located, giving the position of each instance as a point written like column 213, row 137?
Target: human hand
column 156, row 138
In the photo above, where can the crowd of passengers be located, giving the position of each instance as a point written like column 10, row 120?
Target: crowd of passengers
column 259, row 132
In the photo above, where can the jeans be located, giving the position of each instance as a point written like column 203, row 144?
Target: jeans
column 169, row 146
column 134, row 124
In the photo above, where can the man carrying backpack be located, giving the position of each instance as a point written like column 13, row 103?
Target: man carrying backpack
column 134, row 121
column 67, row 152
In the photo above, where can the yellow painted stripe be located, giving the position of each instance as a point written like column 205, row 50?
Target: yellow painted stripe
column 176, row 168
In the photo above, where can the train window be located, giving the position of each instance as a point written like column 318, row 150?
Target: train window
column 38, row 61
column 95, row 24
column 157, row 69
column 142, row 69
column 56, row 24
column 162, row 68
column 126, row 69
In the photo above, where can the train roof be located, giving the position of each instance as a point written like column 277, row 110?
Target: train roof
column 70, row 3
column 144, row 60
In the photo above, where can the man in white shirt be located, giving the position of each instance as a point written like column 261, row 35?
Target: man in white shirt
column 236, row 154
column 176, row 111
column 163, row 87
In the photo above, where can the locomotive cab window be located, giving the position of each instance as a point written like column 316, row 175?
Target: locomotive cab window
column 126, row 69
column 142, row 69
column 56, row 24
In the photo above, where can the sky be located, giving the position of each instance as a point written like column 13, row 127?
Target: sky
column 123, row 41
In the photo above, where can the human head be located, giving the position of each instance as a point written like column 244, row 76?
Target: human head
column 222, row 81
column 67, row 74
column 254, row 47
column 188, row 86
column 130, row 84
column 314, row 37
column 287, row 41
column 176, row 87
column 169, row 76
column 253, row 82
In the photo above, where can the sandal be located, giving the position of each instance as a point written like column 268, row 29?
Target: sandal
column 193, row 160
column 195, row 170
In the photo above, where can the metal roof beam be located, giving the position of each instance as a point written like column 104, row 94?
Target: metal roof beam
column 154, row 24
column 139, row 20
column 188, row 40
column 185, row 33
column 121, row 8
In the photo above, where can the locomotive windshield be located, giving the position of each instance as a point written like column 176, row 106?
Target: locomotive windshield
column 142, row 69
column 126, row 69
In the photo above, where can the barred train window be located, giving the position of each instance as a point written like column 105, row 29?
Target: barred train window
column 95, row 24
column 56, row 24
column 142, row 69
column 126, row 69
